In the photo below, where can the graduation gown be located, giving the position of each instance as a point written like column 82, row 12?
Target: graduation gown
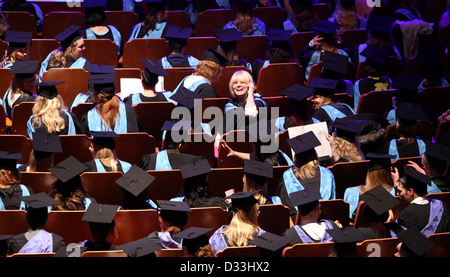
column 90, row 246
column 166, row 161
column 72, row 125
column 158, row 32
column 219, row 242
column 241, row 119
column 297, row 234
column 164, row 239
column 53, row 243
column 402, row 148
column 368, row 84
column 9, row 106
column 113, row 34
column 10, row 198
column 97, row 166
column 328, row 113
column 179, row 60
column 137, row 98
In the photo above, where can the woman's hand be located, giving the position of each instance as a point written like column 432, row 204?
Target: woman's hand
column 416, row 167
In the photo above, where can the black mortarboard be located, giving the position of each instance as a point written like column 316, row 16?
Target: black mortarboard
column 24, row 69
column 181, row 125
column 104, row 138
column 191, row 233
column 379, row 200
column 415, row 179
column 178, row 32
column 305, row 196
column 406, row 81
column 5, row 237
column 375, row 54
column 410, row 111
column 275, row 34
column 94, row 3
column 39, row 200
column 298, row 92
column 18, row 39
column 47, row 89
column 154, row 67
column 243, row 199
column 185, row 97
column 197, row 167
column 8, row 160
column 214, row 56
column 304, row 142
column 135, row 180
column 431, row 52
column 334, row 62
column 140, row 247
column 68, row 36
column 346, row 129
column 258, row 168
column 270, row 241
column 347, row 234
column 323, row 86
column 45, row 142
column 437, row 151
column 414, row 242
column 103, row 83
column 228, row 35
column 379, row 25
column 68, row 169
column 177, row 206
column 379, row 161
column 100, row 213
column 326, row 26
column 100, row 68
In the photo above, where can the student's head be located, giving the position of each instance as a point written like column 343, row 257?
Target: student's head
column 239, row 83
column 103, row 232
column 209, row 70
column 95, row 16
column 37, row 218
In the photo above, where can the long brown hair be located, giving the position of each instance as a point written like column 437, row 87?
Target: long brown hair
column 108, row 109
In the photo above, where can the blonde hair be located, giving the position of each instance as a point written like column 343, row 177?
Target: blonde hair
column 243, row 226
column 59, row 57
column 242, row 76
column 18, row 83
column 10, row 55
column 380, row 177
column 107, row 154
column 346, row 17
column 208, row 69
column 47, row 112
column 307, row 171
column 346, row 149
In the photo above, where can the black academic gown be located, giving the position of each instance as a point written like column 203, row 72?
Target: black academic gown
column 417, row 216
column 92, row 167
column 148, row 162
column 323, row 116
column 79, row 128
column 23, row 98
column 17, row 242
column 11, row 197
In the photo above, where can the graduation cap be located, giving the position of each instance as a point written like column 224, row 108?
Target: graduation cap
column 437, row 151
column 103, row 83
column 47, row 89
column 100, row 68
column 375, row 54
column 177, row 32
column 243, row 199
column 24, row 69
column 214, row 56
column 140, row 247
column 191, row 233
column 415, row 179
column 104, row 138
column 346, row 235
column 379, row 200
column 39, row 200
column 228, row 35
column 326, row 27
column 275, row 34
column 379, row 161
column 8, row 160
column 258, row 168
column 47, row 143
column 334, row 62
column 323, row 86
column 303, row 142
column 197, row 167
column 270, row 241
column 154, row 67
column 298, row 92
column 414, row 242
column 68, row 36
column 100, row 213
column 167, row 205
column 379, row 25
column 135, row 180
column 185, row 97
column 406, row 81
column 18, row 39
column 409, row 111
column 68, row 169
column 346, row 129
column 306, row 199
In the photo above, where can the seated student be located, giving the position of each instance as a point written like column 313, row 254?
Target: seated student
column 431, row 56
column 243, row 226
column 68, row 190
column 154, row 24
column 378, row 213
column 378, row 174
column 345, row 241
column 302, row 18
column 406, row 145
column 344, row 142
column 11, row 190
column 279, row 51
column 374, row 65
column 255, row 178
column 141, row 248
column 149, row 79
column 21, row 89
column 173, row 218
column 306, row 172
column 228, row 47
column 95, row 18
column 243, row 19
column 17, row 49
column 347, row 16
column 325, row 109
column 195, row 242
column 309, row 227
column 37, row 239
column 334, row 66
column 24, row 6
column 109, row 113
column 69, row 54
column 413, row 244
column 434, row 161
column 195, row 187
column 105, row 159
column 427, row 215
column 169, row 158
column 197, row 6
column 177, row 38
column 50, row 114
column 42, row 155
